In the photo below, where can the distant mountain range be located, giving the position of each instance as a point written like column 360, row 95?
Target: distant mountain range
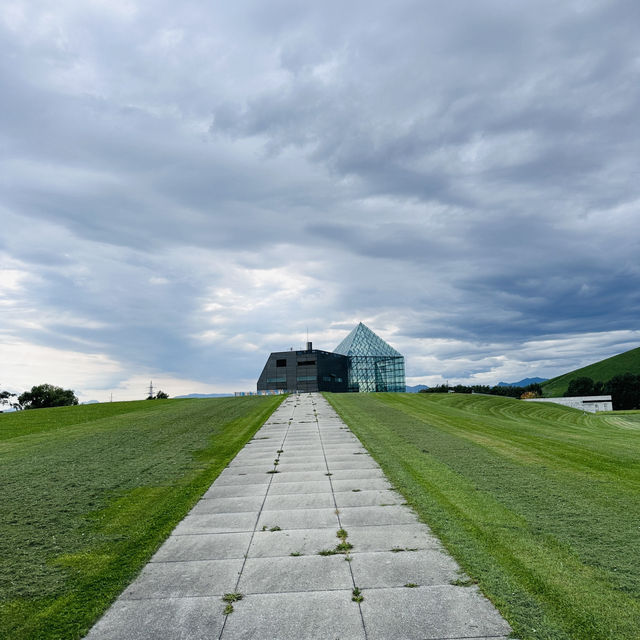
column 416, row 388
column 525, row 382
column 205, row 395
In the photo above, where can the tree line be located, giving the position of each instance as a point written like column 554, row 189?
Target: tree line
column 39, row 397
column 533, row 390
column 624, row 390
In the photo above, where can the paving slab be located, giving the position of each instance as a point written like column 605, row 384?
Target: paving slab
column 399, row 568
column 228, row 505
column 287, row 466
column 357, row 474
column 299, row 519
column 247, row 469
column 234, row 490
column 166, row 619
column 430, row 613
column 323, row 615
column 352, row 464
column 387, row 537
column 299, row 476
column 185, row 579
column 289, row 574
column 325, row 481
column 367, row 498
column 284, row 543
column 248, row 478
column 375, row 516
column 212, row 546
column 216, row 523
column 299, row 501
column 363, row 484
column 310, row 486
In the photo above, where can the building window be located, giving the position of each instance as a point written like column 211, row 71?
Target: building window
column 305, row 378
column 306, row 363
column 281, row 363
column 278, row 379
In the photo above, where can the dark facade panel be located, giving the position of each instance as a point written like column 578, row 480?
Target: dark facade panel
column 309, row 370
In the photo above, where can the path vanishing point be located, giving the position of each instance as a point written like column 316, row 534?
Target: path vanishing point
column 259, row 531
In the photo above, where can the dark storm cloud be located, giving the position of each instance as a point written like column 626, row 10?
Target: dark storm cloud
column 186, row 187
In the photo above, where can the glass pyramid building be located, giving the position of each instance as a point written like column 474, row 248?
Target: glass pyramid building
column 373, row 364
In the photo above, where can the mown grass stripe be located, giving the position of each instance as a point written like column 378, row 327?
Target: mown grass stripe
column 88, row 498
column 539, row 504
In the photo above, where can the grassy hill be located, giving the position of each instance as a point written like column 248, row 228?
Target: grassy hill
column 538, row 503
column 90, row 492
column 629, row 361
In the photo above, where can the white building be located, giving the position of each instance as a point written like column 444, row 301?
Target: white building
column 592, row 404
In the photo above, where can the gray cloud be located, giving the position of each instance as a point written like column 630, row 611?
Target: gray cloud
column 189, row 187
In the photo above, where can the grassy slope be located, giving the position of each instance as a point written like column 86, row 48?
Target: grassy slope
column 629, row 361
column 90, row 492
column 539, row 503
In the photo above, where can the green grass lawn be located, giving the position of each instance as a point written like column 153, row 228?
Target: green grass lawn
column 540, row 504
column 90, row 492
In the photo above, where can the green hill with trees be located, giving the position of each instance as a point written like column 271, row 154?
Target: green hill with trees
column 603, row 371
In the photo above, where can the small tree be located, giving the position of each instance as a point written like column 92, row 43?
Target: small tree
column 580, row 387
column 47, row 395
column 160, row 395
column 5, row 399
column 625, row 391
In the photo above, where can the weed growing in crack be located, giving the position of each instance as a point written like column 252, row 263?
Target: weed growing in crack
column 295, row 554
column 234, row 596
column 276, row 528
column 228, row 609
column 411, row 585
column 357, row 595
column 356, row 490
column 273, row 471
column 342, row 547
column 460, row 582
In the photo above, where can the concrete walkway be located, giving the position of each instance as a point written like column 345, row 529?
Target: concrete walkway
column 259, row 534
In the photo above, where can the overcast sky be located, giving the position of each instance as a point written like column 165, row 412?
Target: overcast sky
column 187, row 186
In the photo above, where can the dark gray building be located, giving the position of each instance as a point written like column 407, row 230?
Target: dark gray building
column 361, row 362
column 309, row 370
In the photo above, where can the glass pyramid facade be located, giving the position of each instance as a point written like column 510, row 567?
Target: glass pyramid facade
column 373, row 364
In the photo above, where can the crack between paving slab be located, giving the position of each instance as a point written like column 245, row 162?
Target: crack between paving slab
column 255, row 526
column 270, row 593
column 333, row 495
